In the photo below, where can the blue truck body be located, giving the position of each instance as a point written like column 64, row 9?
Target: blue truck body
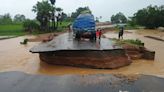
column 84, row 26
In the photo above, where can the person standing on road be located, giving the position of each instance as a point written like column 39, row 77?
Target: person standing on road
column 97, row 33
column 70, row 27
column 121, row 33
column 100, row 33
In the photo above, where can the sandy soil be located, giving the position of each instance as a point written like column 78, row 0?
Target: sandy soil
column 16, row 57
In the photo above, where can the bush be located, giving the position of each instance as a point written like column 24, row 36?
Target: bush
column 24, row 41
column 30, row 25
column 150, row 17
column 135, row 42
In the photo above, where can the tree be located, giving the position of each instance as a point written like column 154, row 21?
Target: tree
column 5, row 19
column 53, row 2
column 30, row 25
column 18, row 18
column 150, row 17
column 119, row 18
column 53, row 15
column 44, row 11
column 59, row 15
column 132, row 21
column 97, row 19
column 64, row 16
column 79, row 11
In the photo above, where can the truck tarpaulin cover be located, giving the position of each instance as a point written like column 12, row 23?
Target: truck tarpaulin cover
column 84, row 22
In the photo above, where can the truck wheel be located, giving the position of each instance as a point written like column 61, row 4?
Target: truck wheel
column 77, row 36
column 93, row 37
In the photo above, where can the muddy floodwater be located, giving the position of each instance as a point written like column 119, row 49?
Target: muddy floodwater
column 16, row 57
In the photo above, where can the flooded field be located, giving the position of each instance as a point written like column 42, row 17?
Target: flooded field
column 16, row 57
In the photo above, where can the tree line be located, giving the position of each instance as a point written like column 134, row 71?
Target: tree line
column 48, row 16
column 7, row 19
column 150, row 17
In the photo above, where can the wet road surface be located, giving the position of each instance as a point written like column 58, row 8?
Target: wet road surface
column 67, row 42
column 21, row 82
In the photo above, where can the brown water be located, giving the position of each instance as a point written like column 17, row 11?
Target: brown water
column 16, row 57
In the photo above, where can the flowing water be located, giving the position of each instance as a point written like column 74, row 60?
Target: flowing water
column 16, row 57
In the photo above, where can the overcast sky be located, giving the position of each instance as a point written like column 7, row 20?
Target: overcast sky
column 104, row 8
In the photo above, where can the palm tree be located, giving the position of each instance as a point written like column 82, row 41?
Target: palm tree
column 53, row 14
column 59, row 15
column 53, row 2
column 43, row 10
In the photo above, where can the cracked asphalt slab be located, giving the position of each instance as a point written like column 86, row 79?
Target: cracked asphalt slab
column 66, row 42
column 22, row 82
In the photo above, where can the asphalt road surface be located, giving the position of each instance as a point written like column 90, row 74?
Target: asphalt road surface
column 21, row 82
column 66, row 42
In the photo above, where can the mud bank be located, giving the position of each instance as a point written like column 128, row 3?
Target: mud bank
column 21, row 82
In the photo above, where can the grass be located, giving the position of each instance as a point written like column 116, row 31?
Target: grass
column 136, row 42
column 17, row 29
column 64, row 24
column 12, row 30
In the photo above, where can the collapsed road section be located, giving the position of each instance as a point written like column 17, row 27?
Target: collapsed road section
column 64, row 50
column 67, row 49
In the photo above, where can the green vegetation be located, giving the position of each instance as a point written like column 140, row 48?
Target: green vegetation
column 48, row 16
column 11, row 27
column 118, row 18
column 30, row 25
column 79, row 11
column 12, row 30
column 5, row 19
column 136, row 42
column 24, row 42
column 43, row 10
column 19, row 30
column 65, row 24
column 49, row 19
column 19, row 18
column 150, row 17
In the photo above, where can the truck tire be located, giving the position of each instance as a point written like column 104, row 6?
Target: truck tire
column 93, row 37
column 77, row 36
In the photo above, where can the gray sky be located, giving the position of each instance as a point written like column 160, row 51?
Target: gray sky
column 104, row 8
